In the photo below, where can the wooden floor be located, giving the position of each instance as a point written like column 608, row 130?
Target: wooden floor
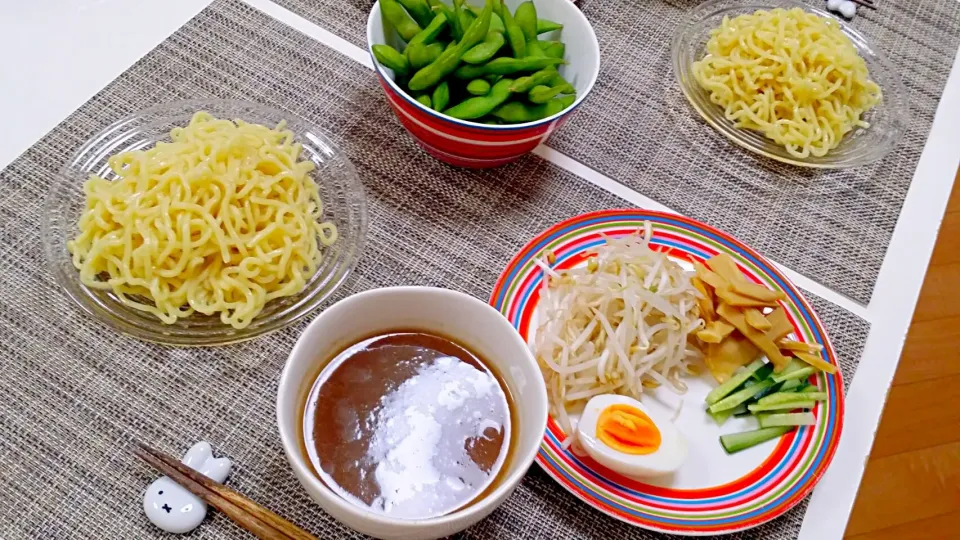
column 911, row 488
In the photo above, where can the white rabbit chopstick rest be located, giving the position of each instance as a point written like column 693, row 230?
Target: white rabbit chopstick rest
column 173, row 508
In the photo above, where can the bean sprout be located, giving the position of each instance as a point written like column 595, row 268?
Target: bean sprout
column 622, row 323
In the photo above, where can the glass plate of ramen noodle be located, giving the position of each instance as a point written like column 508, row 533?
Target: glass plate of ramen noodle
column 204, row 222
column 789, row 82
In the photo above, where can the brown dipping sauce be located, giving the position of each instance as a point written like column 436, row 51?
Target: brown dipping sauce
column 408, row 424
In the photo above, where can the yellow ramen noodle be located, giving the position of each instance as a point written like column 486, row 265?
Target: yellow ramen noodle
column 791, row 75
column 220, row 221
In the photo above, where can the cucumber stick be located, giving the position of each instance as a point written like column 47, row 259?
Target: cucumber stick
column 762, row 373
column 787, row 397
column 772, row 389
column 722, row 416
column 786, row 419
column 728, row 387
column 740, row 396
column 794, row 365
column 792, row 385
column 734, row 442
column 788, row 406
column 799, row 374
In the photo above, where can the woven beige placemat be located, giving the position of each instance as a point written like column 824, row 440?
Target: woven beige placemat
column 637, row 128
column 74, row 395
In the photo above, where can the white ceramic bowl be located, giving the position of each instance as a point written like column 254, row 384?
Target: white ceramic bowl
column 459, row 316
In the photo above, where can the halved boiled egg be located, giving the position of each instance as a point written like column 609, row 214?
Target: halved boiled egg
column 624, row 436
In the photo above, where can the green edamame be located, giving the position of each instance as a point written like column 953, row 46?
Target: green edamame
column 514, row 34
column 478, row 30
column 431, row 74
column 526, row 18
column 421, row 55
column 533, row 48
column 478, row 87
column 399, row 18
column 542, row 94
column 466, row 16
column 557, row 80
column 524, row 84
column 391, row 58
column 419, row 10
column 457, row 15
column 442, row 9
column 553, row 49
column 482, row 52
column 477, row 107
column 425, row 100
column 430, row 32
column 496, row 23
column 544, row 26
column 441, row 96
column 516, row 112
column 505, row 66
column 448, row 61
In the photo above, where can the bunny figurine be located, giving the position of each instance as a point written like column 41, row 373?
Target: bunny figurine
column 173, row 508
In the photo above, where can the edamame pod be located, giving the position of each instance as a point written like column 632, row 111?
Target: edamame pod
column 479, row 87
column 553, row 49
column 533, row 48
column 430, row 32
column 421, row 55
column 419, row 10
column 526, row 18
column 398, row 17
column 466, row 16
column 542, row 94
column 496, row 23
column 441, row 96
column 514, row 34
column 525, row 84
column 391, row 58
column 442, row 9
column 544, row 26
column 516, row 112
column 482, row 52
column 425, row 100
column 477, row 107
column 505, row 66
column 478, row 30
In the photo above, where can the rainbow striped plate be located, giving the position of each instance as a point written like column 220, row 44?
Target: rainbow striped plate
column 712, row 493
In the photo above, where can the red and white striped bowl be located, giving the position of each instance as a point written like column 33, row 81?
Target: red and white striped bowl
column 471, row 144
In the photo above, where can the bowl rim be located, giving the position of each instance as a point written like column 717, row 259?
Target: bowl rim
column 899, row 108
column 288, row 384
column 594, row 73
column 157, row 335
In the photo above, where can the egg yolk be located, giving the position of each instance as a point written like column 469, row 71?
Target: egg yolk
column 628, row 429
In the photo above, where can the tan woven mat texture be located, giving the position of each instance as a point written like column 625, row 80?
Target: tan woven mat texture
column 74, row 396
column 637, row 128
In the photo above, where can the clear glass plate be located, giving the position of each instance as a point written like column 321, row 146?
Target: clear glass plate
column 340, row 190
column 859, row 147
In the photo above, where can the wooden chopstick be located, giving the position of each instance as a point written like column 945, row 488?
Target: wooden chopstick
column 263, row 523
column 866, row 3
